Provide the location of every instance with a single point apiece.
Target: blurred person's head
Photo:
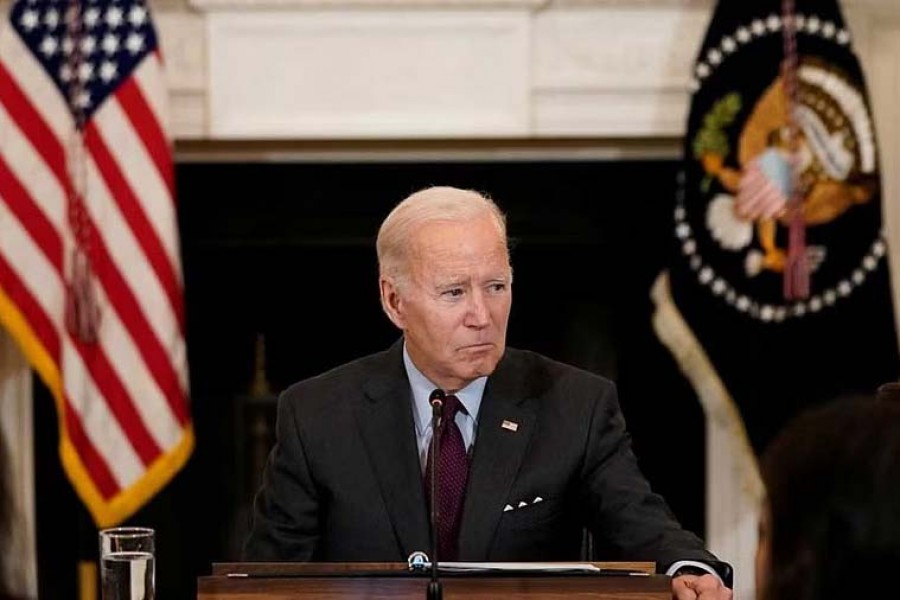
(831, 525)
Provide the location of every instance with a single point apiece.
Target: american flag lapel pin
(510, 425)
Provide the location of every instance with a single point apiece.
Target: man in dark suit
(532, 451)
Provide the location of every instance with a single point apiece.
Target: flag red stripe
(37, 318)
(122, 298)
(105, 378)
(148, 128)
(33, 125)
(93, 462)
(120, 404)
(130, 206)
(47, 334)
(32, 218)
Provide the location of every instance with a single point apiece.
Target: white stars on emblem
(815, 304)
(743, 303)
(766, 313)
(843, 37)
(844, 288)
(49, 46)
(728, 45)
(714, 56)
(108, 71)
(719, 286)
(30, 19)
(65, 73)
(134, 43)
(137, 16)
(689, 247)
(683, 231)
(858, 276)
(830, 297)
(91, 17)
(758, 27)
(743, 35)
(88, 45)
(85, 72)
(114, 17)
(828, 30)
(83, 99)
(870, 263)
(813, 24)
(773, 23)
(51, 18)
(110, 44)
(878, 248)
(705, 275)
(702, 70)
(67, 45)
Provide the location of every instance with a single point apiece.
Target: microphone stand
(435, 589)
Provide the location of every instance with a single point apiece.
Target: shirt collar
(470, 396)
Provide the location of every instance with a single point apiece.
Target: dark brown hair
(833, 482)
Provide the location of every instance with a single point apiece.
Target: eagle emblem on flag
(731, 216)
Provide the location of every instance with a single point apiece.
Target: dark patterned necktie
(453, 473)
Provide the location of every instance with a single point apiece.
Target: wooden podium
(393, 581)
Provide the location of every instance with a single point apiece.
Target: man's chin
(482, 366)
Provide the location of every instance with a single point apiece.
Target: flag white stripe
(151, 80)
(133, 266)
(99, 424)
(44, 284)
(140, 172)
(128, 364)
(34, 83)
(31, 170)
(48, 292)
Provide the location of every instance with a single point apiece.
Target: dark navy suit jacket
(344, 481)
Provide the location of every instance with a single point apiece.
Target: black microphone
(436, 399)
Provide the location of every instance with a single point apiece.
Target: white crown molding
(337, 5)
(572, 69)
(881, 6)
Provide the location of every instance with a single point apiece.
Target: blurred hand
(699, 587)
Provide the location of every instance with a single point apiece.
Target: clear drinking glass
(127, 570)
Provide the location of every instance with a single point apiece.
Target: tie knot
(452, 405)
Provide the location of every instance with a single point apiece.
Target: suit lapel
(497, 456)
(387, 429)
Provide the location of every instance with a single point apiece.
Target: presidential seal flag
(90, 274)
(777, 295)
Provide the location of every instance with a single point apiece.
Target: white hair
(429, 205)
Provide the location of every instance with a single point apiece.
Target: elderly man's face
(455, 304)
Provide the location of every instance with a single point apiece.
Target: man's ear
(391, 301)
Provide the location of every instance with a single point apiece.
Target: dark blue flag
(750, 142)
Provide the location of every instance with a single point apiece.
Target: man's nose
(477, 315)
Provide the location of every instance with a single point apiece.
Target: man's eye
(453, 293)
(497, 287)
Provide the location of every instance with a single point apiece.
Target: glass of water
(127, 564)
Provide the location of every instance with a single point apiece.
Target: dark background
(287, 251)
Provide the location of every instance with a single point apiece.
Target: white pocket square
(522, 504)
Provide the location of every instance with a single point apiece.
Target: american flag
(86, 173)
